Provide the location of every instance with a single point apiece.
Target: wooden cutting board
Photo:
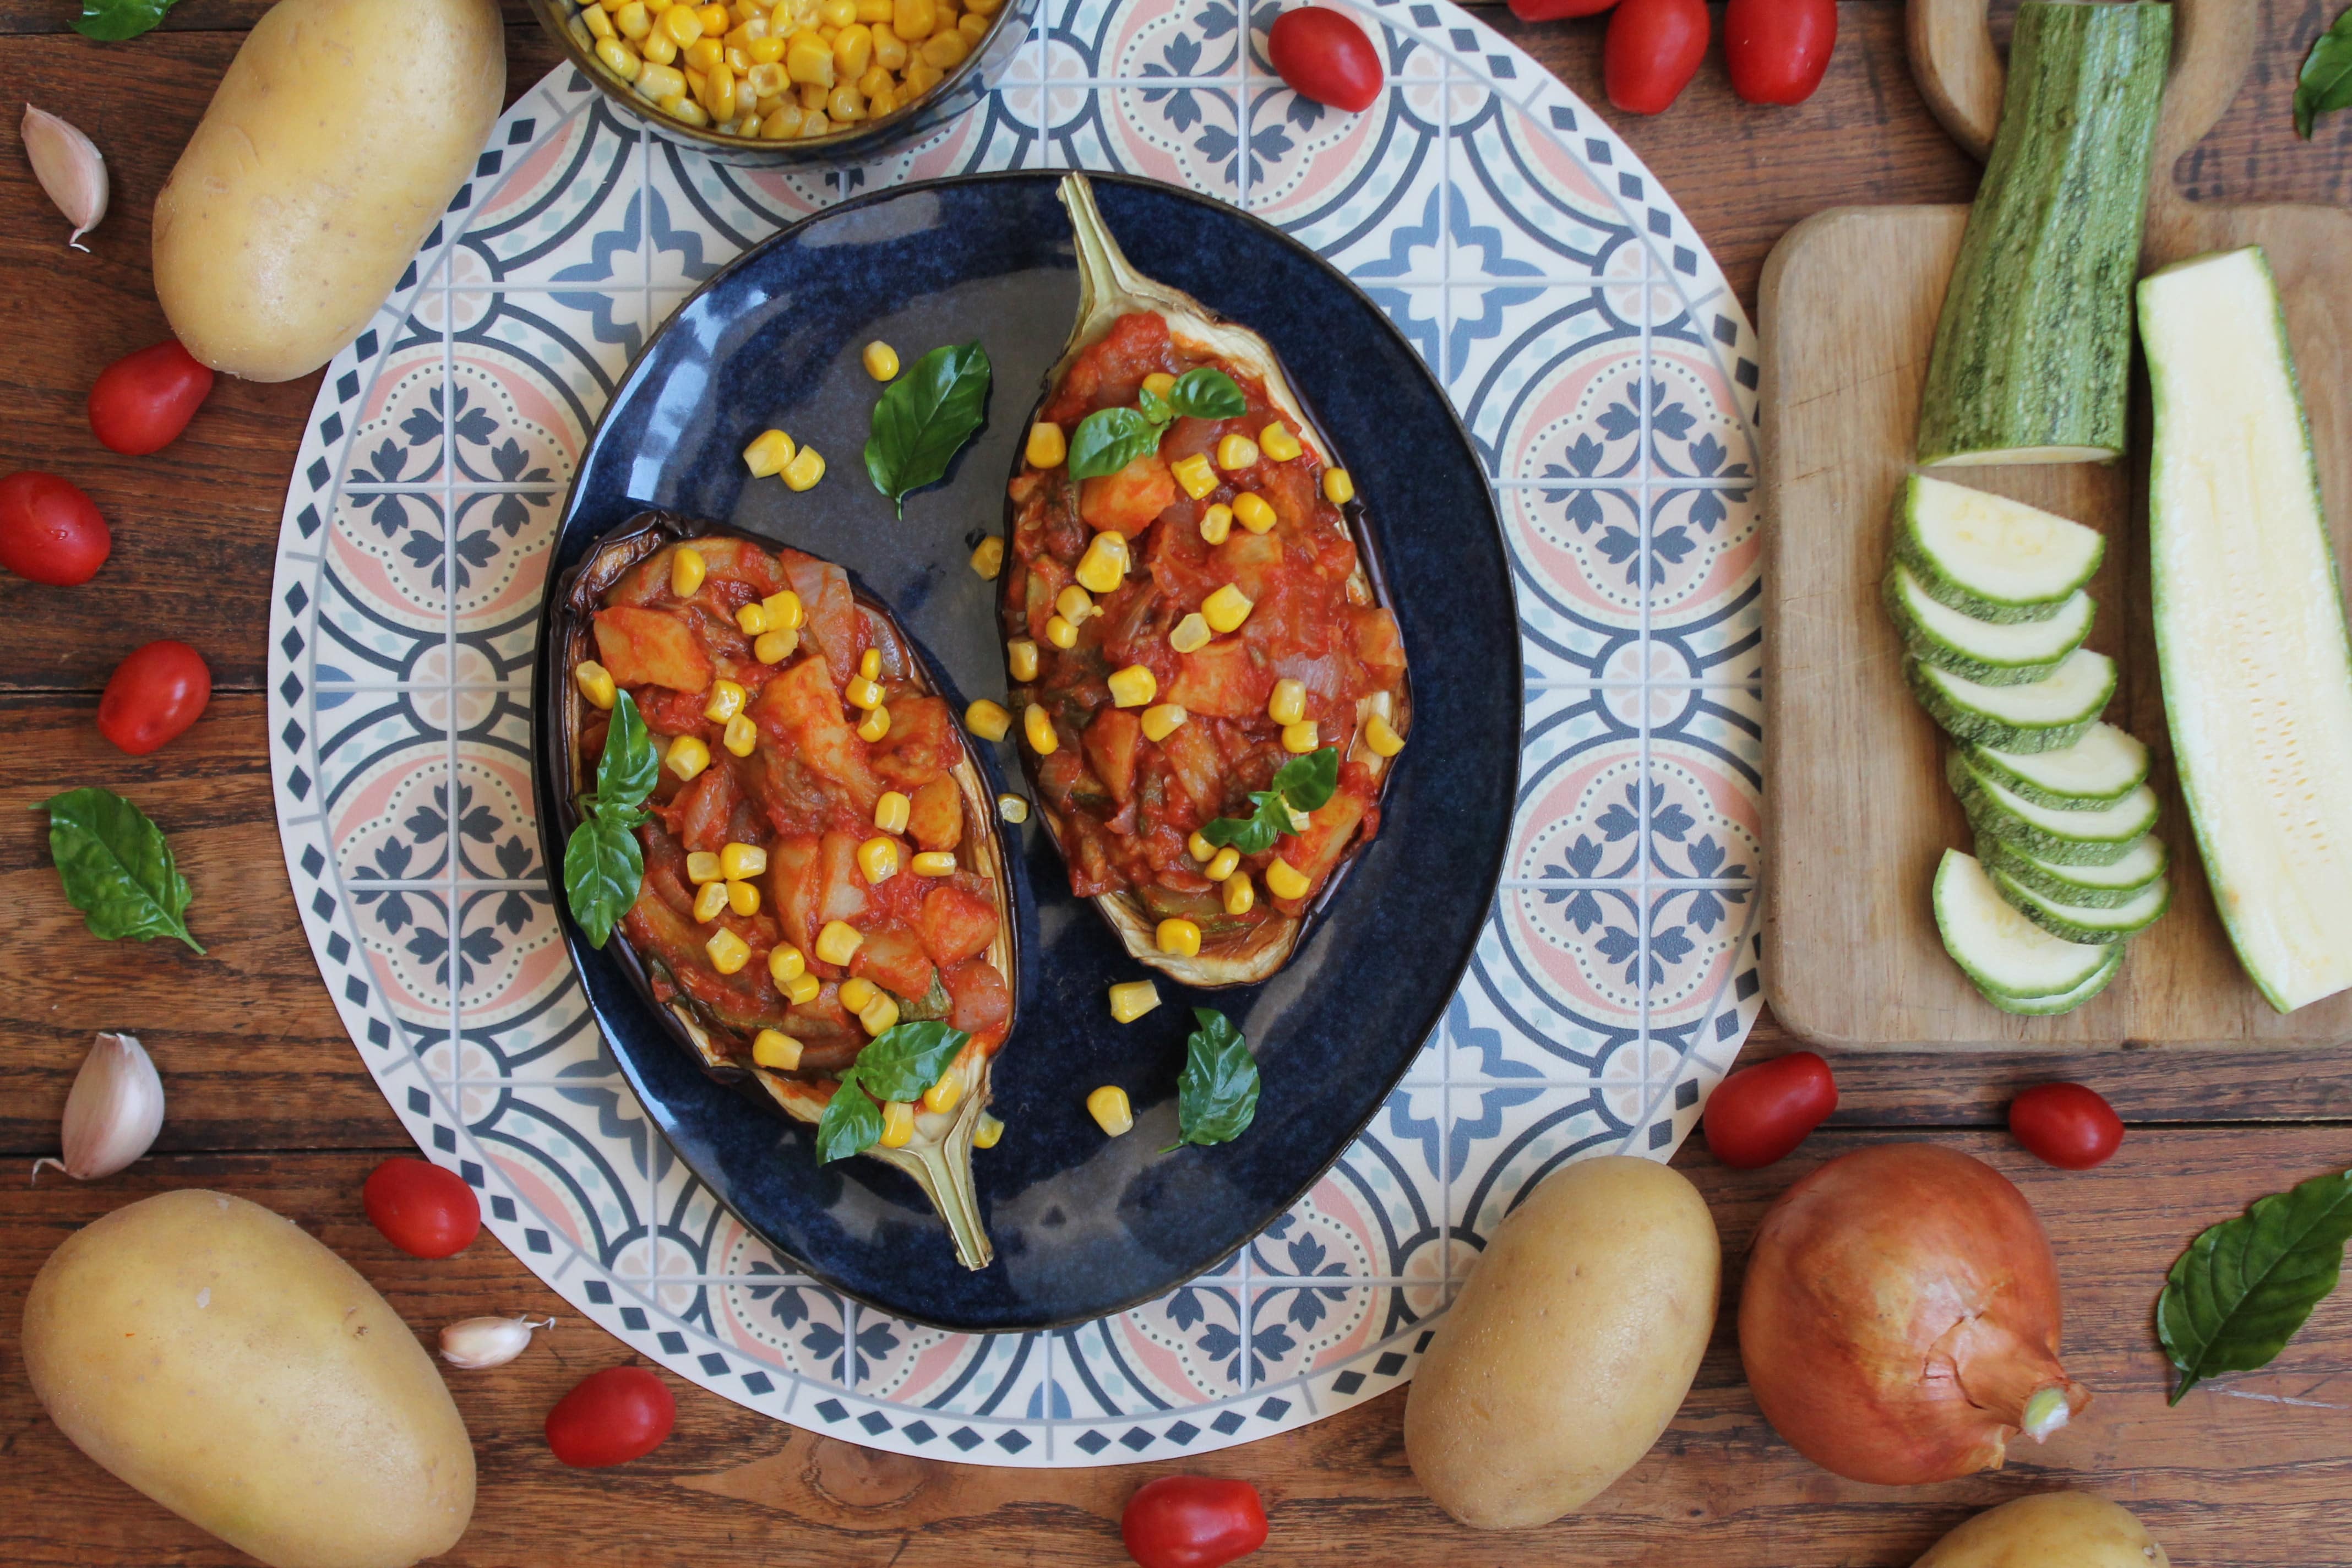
(1855, 808)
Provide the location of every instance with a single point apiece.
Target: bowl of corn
(788, 80)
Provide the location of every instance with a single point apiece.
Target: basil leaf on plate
(2326, 84)
(1206, 392)
(924, 418)
(1108, 440)
(905, 1059)
(602, 866)
(1307, 782)
(117, 867)
(852, 1122)
(111, 21)
(1216, 1094)
(2243, 1287)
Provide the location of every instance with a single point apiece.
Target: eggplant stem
(943, 1170)
(2046, 1413)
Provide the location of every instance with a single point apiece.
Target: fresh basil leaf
(2325, 85)
(1206, 392)
(602, 870)
(1307, 782)
(111, 21)
(1216, 1094)
(2242, 1289)
(630, 765)
(924, 418)
(905, 1059)
(1156, 408)
(1255, 834)
(852, 1122)
(117, 867)
(1108, 440)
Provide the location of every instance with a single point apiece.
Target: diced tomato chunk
(893, 959)
(699, 814)
(794, 886)
(1112, 741)
(1130, 499)
(980, 1001)
(921, 746)
(801, 711)
(1378, 645)
(650, 648)
(841, 886)
(1221, 681)
(956, 923)
(935, 815)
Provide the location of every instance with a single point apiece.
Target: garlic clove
(112, 1112)
(479, 1342)
(72, 170)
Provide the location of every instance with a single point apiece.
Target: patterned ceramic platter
(1606, 377)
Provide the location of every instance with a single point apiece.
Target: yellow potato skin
(2050, 1530)
(337, 137)
(1571, 1347)
(220, 1360)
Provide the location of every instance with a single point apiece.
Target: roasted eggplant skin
(940, 1157)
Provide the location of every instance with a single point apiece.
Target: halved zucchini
(2042, 717)
(1989, 556)
(2062, 837)
(2097, 771)
(1991, 653)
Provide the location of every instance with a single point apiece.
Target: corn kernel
(774, 1048)
(1061, 633)
(982, 8)
(737, 862)
(813, 123)
(862, 694)
(708, 900)
(869, 664)
(802, 989)
(872, 11)
(1104, 565)
(659, 50)
(889, 48)
(1216, 523)
(943, 1095)
(858, 993)
(1283, 881)
(1163, 720)
(618, 57)
(741, 737)
(750, 620)
(879, 1015)
(875, 727)
(1108, 1107)
(1075, 604)
(769, 51)
(988, 558)
(884, 98)
(764, 80)
(877, 858)
(1192, 634)
(808, 61)
(897, 1123)
(785, 965)
(714, 18)
(686, 570)
(986, 1131)
(1180, 937)
(839, 942)
(1338, 489)
(803, 471)
(1160, 384)
(1133, 687)
(891, 811)
(1236, 452)
(912, 19)
(728, 952)
(596, 683)
(1289, 704)
(725, 700)
(1227, 608)
(744, 898)
(987, 719)
(768, 453)
(1013, 808)
(853, 55)
(1192, 471)
(784, 612)
(774, 646)
(933, 863)
(1301, 738)
(1240, 894)
(1279, 442)
(781, 125)
(702, 865)
(974, 27)
(1199, 847)
(1221, 864)
(946, 51)
(633, 20)
(845, 104)
(1256, 515)
(1039, 729)
(1381, 737)
(1020, 658)
(1048, 447)
(687, 757)
(682, 25)
(719, 92)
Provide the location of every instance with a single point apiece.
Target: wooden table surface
(269, 1097)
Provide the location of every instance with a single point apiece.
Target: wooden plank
(2254, 1471)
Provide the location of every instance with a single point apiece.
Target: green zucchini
(2249, 634)
(2066, 1001)
(2086, 923)
(2063, 837)
(2089, 887)
(1983, 651)
(2050, 713)
(1990, 557)
(2097, 771)
(2018, 966)
(2032, 352)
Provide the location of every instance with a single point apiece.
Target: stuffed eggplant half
(776, 811)
(1210, 686)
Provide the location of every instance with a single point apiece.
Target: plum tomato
(2066, 1125)
(1759, 1115)
(422, 1209)
(49, 531)
(1778, 49)
(143, 401)
(1325, 56)
(1192, 1522)
(1555, 10)
(1652, 50)
(610, 1417)
(153, 695)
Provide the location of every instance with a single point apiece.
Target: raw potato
(336, 139)
(1569, 1349)
(2053, 1529)
(217, 1357)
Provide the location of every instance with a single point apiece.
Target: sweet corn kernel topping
(1108, 1107)
(987, 719)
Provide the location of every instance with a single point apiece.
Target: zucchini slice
(2063, 837)
(2087, 924)
(2097, 771)
(2066, 1001)
(2085, 886)
(1986, 652)
(2250, 632)
(2042, 717)
(1990, 557)
(2013, 962)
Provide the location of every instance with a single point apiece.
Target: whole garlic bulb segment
(72, 170)
(479, 1342)
(112, 1112)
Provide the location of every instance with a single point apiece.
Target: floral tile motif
(1706, 598)
(1186, 40)
(1512, 1140)
(577, 1156)
(499, 542)
(386, 571)
(1581, 802)
(1339, 182)
(1574, 416)
(530, 377)
(545, 1033)
(570, 209)
(1296, 1330)
(383, 776)
(1575, 550)
(1187, 1348)
(1695, 940)
(786, 1323)
(1542, 212)
(1705, 813)
(498, 837)
(961, 1375)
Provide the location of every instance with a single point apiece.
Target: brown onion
(1899, 1319)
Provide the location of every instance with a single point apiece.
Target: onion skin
(1900, 1311)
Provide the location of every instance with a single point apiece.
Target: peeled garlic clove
(70, 168)
(112, 1112)
(478, 1342)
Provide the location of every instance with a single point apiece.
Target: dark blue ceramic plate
(1084, 1226)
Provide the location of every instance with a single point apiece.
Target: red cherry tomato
(1326, 57)
(422, 1209)
(1759, 1115)
(1192, 1522)
(153, 695)
(143, 401)
(1778, 49)
(612, 1416)
(1553, 10)
(1651, 51)
(2066, 1125)
(49, 531)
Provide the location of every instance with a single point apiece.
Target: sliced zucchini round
(2077, 922)
(2042, 717)
(2062, 837)
(2008, 957)
(1989, 556)
(2095, 771)
(2086, 887)
(2066, 1001)
(1987, 652)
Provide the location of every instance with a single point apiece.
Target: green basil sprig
(117, 867)
(2235, 1297)
(111, 21)
(924, 418)
(1216, 1095)
(900, 1063)
(1300, 784)
(2326, 84)
(602, 866)
(1109, 439)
